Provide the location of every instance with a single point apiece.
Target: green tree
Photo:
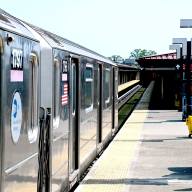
(117, 58)
(138, 53)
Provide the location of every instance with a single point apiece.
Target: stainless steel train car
(19, 106)
(58, 108)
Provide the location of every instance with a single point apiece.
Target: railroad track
(126, 96)
(127, 103)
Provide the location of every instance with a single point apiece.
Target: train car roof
(56, 41)
(12, 24)
(129, 67)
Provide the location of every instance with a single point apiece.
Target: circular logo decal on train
(16, 117)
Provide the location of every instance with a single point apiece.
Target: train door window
(74, 103)
(107, 86)
(88, 88)
(1, 45)
(56, 100)
(33, 127)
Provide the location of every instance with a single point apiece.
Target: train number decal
(17, 59)
(16, 73)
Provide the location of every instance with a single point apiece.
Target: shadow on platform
(179, 175)
(152, 140)
(156, 122)
(187, 189)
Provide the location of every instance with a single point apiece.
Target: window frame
(107, 99)
(89, 80)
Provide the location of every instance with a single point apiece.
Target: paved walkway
(163, 161)
(150, 153)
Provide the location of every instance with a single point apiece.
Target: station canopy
(163, 62)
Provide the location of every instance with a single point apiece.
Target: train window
(107, 85)
(56, 101)
(33, 129)
(88, 88)
(74, 87)
(1, 45)
(116, 82)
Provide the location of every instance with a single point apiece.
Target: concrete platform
(163, 161)
(126, 85)
(150, 153)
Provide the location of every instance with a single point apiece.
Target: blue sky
(108, 26)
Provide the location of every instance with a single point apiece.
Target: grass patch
(128, 107)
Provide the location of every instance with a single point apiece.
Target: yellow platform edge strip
(126, 85)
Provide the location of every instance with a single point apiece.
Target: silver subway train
(58, 108)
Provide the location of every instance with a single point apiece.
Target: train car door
(74, 120)
(1, 128)
(113, 100)
(60, 132)
(99, 90)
